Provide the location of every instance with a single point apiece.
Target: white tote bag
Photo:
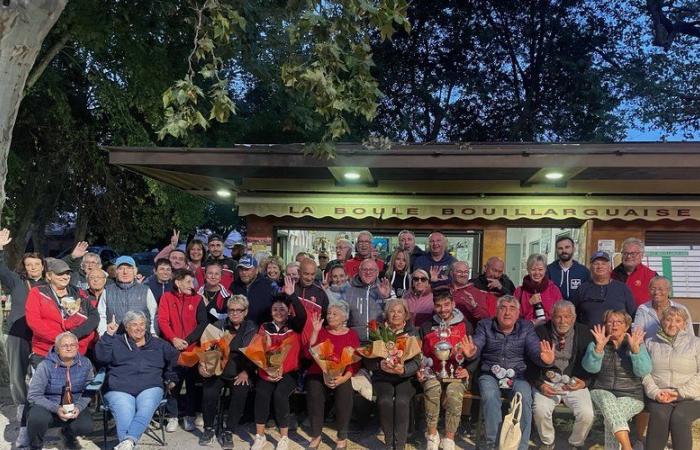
(510, 431)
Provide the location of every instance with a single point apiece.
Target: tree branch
(664, 29)
(41, 66)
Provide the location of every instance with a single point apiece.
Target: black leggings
(266, 391)
(394, 405)
(190, 402)
(677, 417)
(211, 391)
(40, 419)
(317, 392)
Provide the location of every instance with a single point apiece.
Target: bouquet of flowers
(267, 355)
(386, 344)
(330, 363)
(212, 352)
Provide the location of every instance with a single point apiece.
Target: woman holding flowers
(335, 344)
(278, 385)
(237, 373)
(393, 381)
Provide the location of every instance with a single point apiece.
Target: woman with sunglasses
(278, 388)
(420, 297)
(236, 375)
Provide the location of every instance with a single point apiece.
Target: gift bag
(212, 352)
(510, 431)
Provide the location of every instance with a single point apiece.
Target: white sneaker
(447, 444)
(259, 443)
(433, 441)
(199, 420)
(20, 411)
(171, 426)
(22, 438)
(126, 444)
(188, 423)
(283, 443)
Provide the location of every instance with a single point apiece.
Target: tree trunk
(23, 26)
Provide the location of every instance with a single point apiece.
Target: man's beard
(565, 257)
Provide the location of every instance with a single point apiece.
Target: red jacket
(182, 316)
(431, 336)
(550, 296)
(637, 281)
(352, 266)
(485, 302)
(291, 362)
(47, 320)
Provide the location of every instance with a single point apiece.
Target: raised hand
(289, 285)
(384, 288)
(326, 280)
(600, 337)
(5, 237)
(316, 321)
(139, 278)
(467, 346)
(175, 239)
(436, 273)
(80, 249)
(546, 352)
(112, 327)
(635, 339)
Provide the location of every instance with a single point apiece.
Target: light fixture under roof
(351, 176)
(554, 176)
(223, 193)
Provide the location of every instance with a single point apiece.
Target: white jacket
(675, 366)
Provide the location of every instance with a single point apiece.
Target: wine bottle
(67, 399)
(539, 311)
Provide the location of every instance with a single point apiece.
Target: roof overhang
(443, 174)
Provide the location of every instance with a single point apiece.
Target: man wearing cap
(258, 289)
(216, 253)
(632, 272)
(601, 293)
(57, 307)
(126, 295)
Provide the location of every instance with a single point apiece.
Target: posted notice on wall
(681, 264)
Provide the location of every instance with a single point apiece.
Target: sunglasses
(236, 311)
(421, 279)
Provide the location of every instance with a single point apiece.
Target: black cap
(216, 237)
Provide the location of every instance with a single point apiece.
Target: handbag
(511, 434)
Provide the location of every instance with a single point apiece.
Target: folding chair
(95, 387)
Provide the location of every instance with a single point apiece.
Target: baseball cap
(247, 262)
(600, 255)
(57, 265)
(125, 259)
(216, 237)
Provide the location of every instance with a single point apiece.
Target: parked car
(144, 262)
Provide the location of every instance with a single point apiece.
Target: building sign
(561, 208)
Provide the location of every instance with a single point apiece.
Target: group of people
(606, 338)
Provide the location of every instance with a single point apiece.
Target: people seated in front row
(620, 361)
(566, 382)
(134, 399)
(673, 387)
(504, 345)
(64, 368)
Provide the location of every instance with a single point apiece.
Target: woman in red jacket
(538, 293)
(182, 317)
(278, 389)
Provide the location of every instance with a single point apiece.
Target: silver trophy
(443, 350)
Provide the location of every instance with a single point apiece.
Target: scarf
(531, 287)
(665, 337)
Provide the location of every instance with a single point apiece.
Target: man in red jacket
(363, 250)
(474, 303)
(632, 272)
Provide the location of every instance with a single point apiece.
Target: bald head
(494, 268)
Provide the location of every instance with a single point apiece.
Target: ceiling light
(554, 176)
(223, 193)
(351, 176)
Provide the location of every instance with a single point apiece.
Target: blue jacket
(46, 385)
(260, 294)
(568, 281)
(158, 288)
(508, 351)
(426, 261)
(133, 369)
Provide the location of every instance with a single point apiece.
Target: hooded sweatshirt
(420, 306)
(568, 280)
(366, 303)
(430, 335)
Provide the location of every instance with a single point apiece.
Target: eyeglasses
(369, 270)
(73, 345)
(615, 322)
(421, 279)
(632, 254)
(236, 310)
(461, 272)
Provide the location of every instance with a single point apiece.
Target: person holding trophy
(444, 337)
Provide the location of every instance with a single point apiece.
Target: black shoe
(227, 440)
(70, 441)
(207, 436)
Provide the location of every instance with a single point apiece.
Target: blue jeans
(133, 414)
(491, 408)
